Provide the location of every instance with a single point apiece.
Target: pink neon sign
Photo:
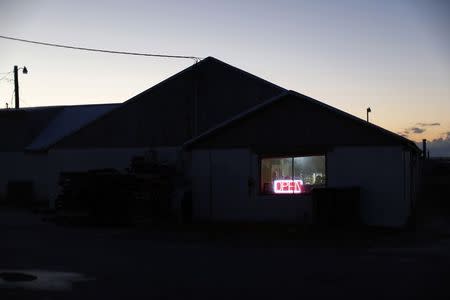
(287, 186)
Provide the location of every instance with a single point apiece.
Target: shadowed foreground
(129, 263)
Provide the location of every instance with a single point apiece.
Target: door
(230, 196)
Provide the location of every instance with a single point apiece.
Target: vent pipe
(424, 148)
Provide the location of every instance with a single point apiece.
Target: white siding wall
(380, 172)
(219, 183)
(200, 179)
(229, 178)
(221, 190)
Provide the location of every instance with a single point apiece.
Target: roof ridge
(244, 72)
(172, 77)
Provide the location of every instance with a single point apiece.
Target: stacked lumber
(142, 191)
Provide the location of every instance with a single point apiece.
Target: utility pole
(16, 83)
(16, 86)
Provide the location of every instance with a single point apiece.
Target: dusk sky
(393, 56)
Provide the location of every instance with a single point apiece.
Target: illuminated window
(292, 175)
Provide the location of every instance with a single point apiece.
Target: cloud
(428, 124)
(439, 147)
(416, 130)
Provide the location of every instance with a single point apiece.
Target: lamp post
(16, 83)
(368, 111)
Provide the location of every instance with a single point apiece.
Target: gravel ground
(73, 262)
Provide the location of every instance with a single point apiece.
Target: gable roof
(176, 109)
(204, 63)
(289, 95)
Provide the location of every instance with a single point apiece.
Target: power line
(4, 77)
(12, 95)
(99, 50)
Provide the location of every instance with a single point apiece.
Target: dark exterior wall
(147, 120)
(296, 125)
(225, 91)
(164, 115)
(19, 127)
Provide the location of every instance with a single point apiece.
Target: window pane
(310, 170)
(274, 169)
(292, 175)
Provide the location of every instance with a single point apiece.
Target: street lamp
(368, 111)
(16, 82)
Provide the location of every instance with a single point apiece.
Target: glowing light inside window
(287, 186)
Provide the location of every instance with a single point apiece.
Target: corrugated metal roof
(20, 126)
(67, 121)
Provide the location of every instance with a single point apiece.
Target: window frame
(280, 156)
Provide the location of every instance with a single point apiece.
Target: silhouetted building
(251, 150)
(264, 164)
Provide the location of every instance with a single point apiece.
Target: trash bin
(337, 207)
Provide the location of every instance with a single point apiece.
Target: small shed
(264, 164)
